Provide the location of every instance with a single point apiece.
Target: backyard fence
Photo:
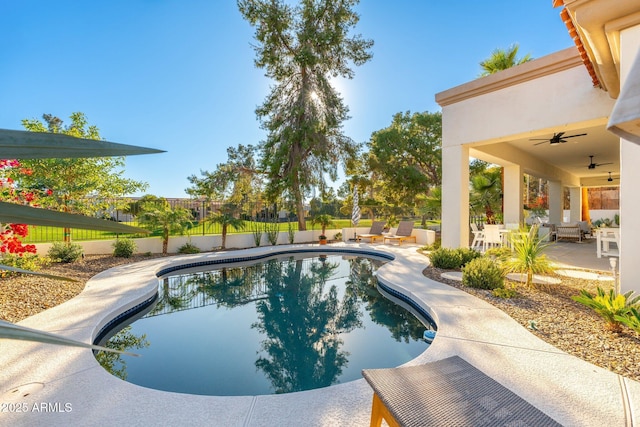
(257, 217)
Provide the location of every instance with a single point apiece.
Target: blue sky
(178, 75)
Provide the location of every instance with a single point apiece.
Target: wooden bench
(447, 392)
(568, 232)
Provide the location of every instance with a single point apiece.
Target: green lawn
(42, 234)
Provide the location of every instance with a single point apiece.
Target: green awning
(17, 144)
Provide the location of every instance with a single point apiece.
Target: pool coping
(66, 386)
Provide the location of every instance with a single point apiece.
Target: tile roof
(573, 33)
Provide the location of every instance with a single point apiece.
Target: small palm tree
(528, 255)
(158, 213)
(324, 221)
(226, 220)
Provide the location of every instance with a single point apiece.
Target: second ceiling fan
(557, 138)
(592, 165)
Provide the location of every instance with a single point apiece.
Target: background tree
(406, 158)
(237, 181)
(486, 190)
(501, 59)
(301, 48)
(75, 185)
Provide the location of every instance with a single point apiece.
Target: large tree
(501, 59)
(301, 48)
(76, 184)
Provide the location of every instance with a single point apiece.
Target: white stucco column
(629, 266)
(455, 196)
(575, 198)
(555, 202)
(513, 194)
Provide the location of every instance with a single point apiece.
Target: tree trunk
(224, 235)
(297, 194)
(165, 241)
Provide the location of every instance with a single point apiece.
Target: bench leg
(379, 412)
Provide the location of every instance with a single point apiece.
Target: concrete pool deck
(65, 386)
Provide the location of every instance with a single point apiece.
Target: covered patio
(548, 118)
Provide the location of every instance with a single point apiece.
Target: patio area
(566, 388)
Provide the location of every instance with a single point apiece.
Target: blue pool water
(285, 324)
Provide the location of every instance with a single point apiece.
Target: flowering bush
(11, 235)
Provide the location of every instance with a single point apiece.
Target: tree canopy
(69, 183)
(405, 160)
(301, 48)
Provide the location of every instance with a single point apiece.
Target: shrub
(483, 273)
(505, 293)
(610, 306)
(25, 261)
(432, 247)
(188, 248)
(501, 254)
(467, 254)
(446, 258)
(291, 232)
(65, 252)
(124, 248)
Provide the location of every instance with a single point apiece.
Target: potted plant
(323, 221)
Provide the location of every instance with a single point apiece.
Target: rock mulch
(549, 312)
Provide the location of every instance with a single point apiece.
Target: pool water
(281, 325)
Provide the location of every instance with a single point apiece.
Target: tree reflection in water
(124, 340)
(302, 318)
(403, 325)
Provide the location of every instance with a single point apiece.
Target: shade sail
(625, 117)
(11, 213)
(17, 144)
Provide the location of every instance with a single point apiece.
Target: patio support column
(575, 197)
(455, 196)
(513, 193)
(555, 202)
(629, 267)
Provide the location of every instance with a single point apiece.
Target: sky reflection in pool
(286, 324)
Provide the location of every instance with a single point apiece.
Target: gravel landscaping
(548, 311)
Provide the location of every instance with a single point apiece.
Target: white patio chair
(478, 236)
(492, 236)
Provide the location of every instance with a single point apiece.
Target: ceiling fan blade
(543, 142)
(573, 136)
(602, 164)
(558, 135)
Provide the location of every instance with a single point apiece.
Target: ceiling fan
(592, 165)
(611, 179)
(557, 138)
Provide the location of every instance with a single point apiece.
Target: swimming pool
(284, 324)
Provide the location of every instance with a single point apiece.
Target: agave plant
(528, 256)
(610, 306)
(30, 145)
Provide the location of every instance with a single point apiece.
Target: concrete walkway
(43, 385)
